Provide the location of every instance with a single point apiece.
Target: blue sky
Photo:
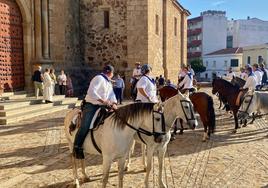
(237, 9)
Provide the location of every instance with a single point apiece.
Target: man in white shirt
(258, 73)
(191, 70)
(187, 82)
(136, 75)
(250, 85)
(100, 94)
(146, 86)
(243, 74)
(230, 75)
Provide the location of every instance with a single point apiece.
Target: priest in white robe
(48, 87)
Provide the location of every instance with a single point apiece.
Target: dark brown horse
(203, 104)
(229, 92)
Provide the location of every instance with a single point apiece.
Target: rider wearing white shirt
(100, 94)
(187, 82)
(250, 85)
(243, 74)
(258, 73)
(230, 74)
(146, 86)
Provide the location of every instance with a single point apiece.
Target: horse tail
(211, 115)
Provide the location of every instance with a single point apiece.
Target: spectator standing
(119, 86)
(54, 79)
(265, 74)
(48, 89)
(38, 81)
(69, 87)
(161, 81)
(230, 74)
(62, 80)
(258, 73)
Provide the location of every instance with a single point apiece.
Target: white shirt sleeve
(183, 81)
(94, 87)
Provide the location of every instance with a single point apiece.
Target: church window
(106, 19)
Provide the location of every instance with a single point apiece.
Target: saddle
(100, 117)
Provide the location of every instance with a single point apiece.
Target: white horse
(114, 137)
(178, 106)
(253, 103)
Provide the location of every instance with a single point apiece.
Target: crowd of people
(46, 82)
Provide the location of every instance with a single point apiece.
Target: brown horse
(230, 93)
(203, 104)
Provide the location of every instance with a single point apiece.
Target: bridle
(191, 110)
(163, 124)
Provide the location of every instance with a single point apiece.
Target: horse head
(214, 86)
(180, 106)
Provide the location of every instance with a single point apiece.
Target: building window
(229, 41)
(248, 59)
(214, 64)
(175, 26)
(156, 24)
(106, 14)
(234, 62)
(206, 75)
(260, 59)
(225, 63)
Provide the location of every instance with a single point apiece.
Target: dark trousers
(118, 94)
(87, 116)
(62, 89)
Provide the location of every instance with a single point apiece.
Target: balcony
(194, 43)
(192, 32)
(194, 55)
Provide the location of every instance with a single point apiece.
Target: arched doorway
(11, 46)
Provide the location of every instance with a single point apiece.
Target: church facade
(80, 36)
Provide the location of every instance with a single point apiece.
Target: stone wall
(101, 45)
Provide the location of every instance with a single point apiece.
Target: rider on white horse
(146, 86)
(100, 93)
(250, 84)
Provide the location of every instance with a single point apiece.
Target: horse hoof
(234, 131)
(173, 138)
(204, 140)
(181, 132)
(86, 179)
(126, 169)
(144, 169)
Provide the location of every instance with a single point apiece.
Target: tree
(197, 66)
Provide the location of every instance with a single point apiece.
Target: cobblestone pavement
(34, 153)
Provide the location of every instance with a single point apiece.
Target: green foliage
(198, 66)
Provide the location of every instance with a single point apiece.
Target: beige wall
(155, 40)
(254, 53)
(174, 45)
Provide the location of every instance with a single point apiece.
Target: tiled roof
(227, 51)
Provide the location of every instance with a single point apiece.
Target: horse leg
(83, 166)
(173, 135)
(161, 155)
(253, 118)
(236, 122)
(121, 166)
(128, 161)
(106, 165)
(205, 135)
(181, 130)
(143, 150)
(74, 164)
(150, 152)
(245, 123)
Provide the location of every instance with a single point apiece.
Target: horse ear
(187, 93)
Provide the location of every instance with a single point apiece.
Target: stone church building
(80, 36)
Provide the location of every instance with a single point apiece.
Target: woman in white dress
(48, 87)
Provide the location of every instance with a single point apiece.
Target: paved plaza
(34, 153)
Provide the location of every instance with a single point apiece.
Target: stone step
(24, 109)
(8, 94)
(28, 115)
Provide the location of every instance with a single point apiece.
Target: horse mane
(227, 83)
(129, 112)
